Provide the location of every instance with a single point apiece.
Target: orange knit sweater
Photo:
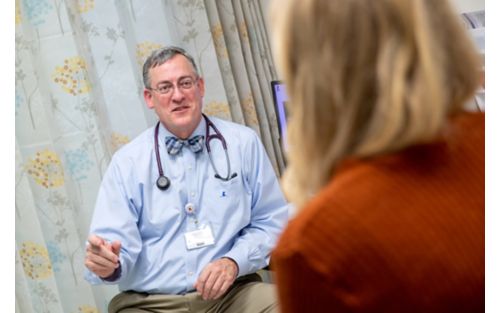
(397, 233)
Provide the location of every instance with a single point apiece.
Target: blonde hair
(366, 77)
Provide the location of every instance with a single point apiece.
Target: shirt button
(190, 167)
(190, 273)
(189, 208)
(192, 193)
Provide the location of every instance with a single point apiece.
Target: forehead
(173, 69)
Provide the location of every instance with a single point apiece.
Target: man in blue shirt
(182, 225)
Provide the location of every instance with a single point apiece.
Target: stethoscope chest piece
(163, 182)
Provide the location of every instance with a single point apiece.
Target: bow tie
(174, 144)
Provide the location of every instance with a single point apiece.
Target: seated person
(384, 165)
(187, 212)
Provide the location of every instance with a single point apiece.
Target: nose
(177, 94)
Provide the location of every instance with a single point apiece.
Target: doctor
(182, 223)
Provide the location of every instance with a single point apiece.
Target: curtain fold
(79, 99)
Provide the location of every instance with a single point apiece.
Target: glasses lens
(164, 88)
(185, 84)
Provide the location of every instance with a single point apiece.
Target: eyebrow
(169, 82)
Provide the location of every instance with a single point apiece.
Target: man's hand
(102, 257)
(216, 278)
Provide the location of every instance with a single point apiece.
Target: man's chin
(183, 118)
(181, 122)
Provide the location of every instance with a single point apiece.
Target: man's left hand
(216, 278)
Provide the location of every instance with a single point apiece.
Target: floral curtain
(79, 99)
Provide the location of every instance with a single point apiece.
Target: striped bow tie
(174, 144)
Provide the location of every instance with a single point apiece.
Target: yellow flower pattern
(85, 5)
(143, 50)
(18, 13)
(49, 250)
(72, 76)
(118, 140)
(46, 169)
(87, 309)
(218, 38)
(218, 109)
(36, 261)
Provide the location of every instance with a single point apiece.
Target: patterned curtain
(79, 98)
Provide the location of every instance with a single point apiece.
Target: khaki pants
(247, 295)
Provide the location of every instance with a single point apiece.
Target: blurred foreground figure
(384, 164)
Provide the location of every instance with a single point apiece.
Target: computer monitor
(280, 98)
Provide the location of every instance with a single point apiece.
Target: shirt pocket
(226, 202)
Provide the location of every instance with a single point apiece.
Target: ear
(148, 97)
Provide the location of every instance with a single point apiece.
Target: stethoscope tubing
(163, 182)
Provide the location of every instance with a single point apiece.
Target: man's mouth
(180, 108)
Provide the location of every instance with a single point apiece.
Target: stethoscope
(163, 182)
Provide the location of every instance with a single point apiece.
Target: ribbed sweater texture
(402, 232)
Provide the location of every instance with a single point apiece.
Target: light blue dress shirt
(246, 214)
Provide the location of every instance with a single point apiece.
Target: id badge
(199, 238)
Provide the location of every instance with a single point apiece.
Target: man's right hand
(102, 257)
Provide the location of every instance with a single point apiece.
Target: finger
(225, 286)
(101, 260)
(209, 285)
(203, 286)
(200, 282)
(227, 275)
(99, 266)
(95, 248)
(116, 246)
(216, 287)
(95, 241)
(102, 272)
(114, 254)
(110, 253)
(103, 250)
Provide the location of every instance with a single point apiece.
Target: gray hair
(160, 56)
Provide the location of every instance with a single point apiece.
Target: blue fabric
(174, 144)
(246, 214)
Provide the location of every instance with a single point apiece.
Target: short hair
(366, 77)
(160, 56)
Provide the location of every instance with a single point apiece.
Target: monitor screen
(280, 98)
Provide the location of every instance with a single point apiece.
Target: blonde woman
(385, 166)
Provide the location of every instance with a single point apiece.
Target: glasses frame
(177, 85)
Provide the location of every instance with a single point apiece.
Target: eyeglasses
(185, 83)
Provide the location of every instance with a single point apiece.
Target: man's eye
(186, 84)
(164, 88)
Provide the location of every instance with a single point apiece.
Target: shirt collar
(199, 130)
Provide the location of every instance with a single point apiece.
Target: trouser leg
(247, 295)
(133, 302)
